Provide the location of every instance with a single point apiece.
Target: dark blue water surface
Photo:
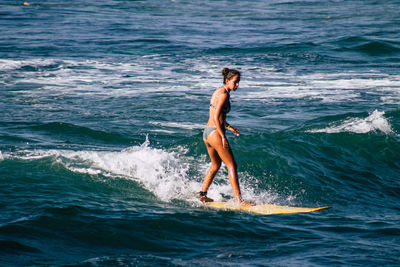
(101, 115)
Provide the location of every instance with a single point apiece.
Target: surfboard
(265, 209)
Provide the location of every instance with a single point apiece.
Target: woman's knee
(232, 165)
(215, 166)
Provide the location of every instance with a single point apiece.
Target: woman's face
(233, 83)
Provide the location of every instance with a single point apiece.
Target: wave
(60, 132)
(168, 174)
(370, 47)
(376, 121)
(289, 168)
(332, 168)
(377, 48)
(11, 246)
(71, 130)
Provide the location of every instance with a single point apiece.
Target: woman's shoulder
(220, 91)
(220, 94)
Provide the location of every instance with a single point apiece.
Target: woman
(214, 136)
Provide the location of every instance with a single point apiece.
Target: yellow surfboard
(265, 209)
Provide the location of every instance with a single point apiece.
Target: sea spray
(376, 121)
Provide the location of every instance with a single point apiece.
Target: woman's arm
(232, 129)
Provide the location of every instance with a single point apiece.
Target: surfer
(214, 136)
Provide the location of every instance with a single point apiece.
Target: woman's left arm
(232, 129)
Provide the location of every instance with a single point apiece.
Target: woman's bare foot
(203, 197)
(247, 204)
(206, 199)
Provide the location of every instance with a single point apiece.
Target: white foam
(162, 131)
(156, 73)
(164, 173)
(89, 76)
(1, 156)
(374, 122)
(11, 64)
(273, 86)
(180, 125)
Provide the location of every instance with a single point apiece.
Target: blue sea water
(101, 115)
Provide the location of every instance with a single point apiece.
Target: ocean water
(101, 115)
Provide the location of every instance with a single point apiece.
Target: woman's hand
(232, 129)
(235, 131)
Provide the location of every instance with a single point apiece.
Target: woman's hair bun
(225, 72)
(229, 73)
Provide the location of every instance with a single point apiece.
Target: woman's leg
(215, 165)
(227, 157)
